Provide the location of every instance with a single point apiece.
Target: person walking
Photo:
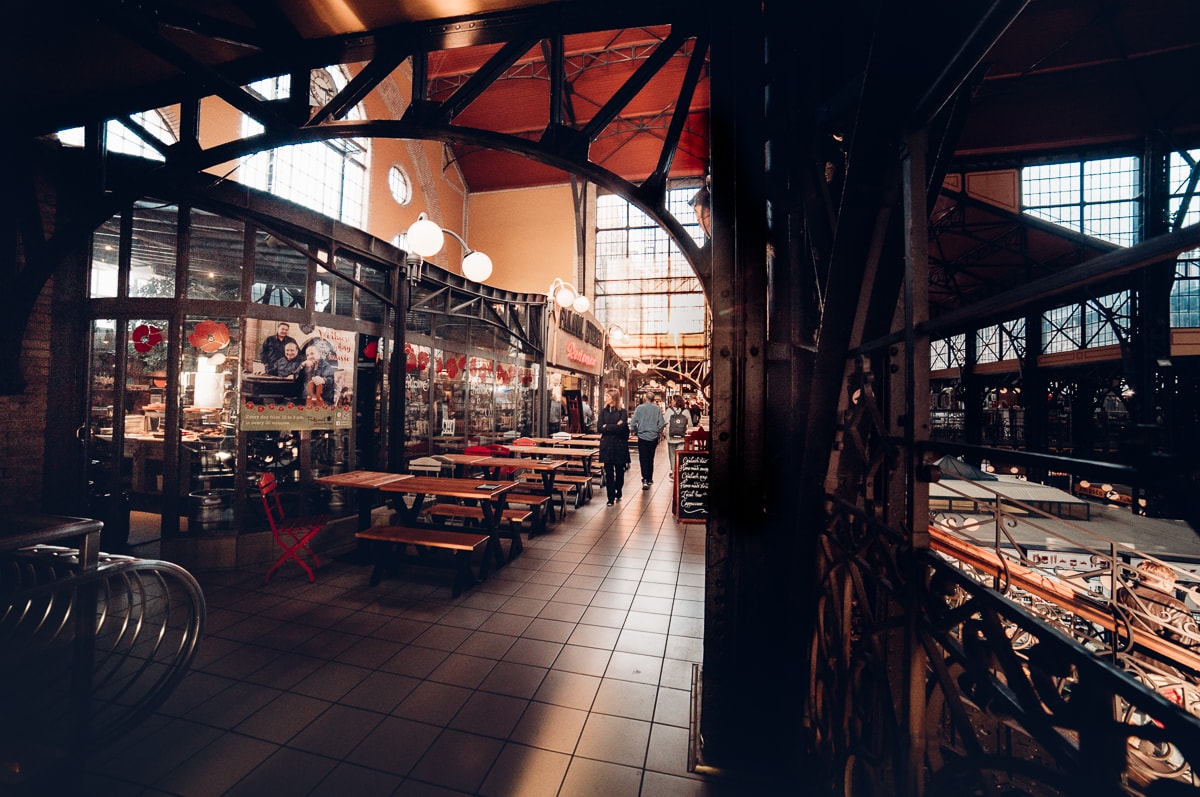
(678, 421)
(648, 424)
(613, 425)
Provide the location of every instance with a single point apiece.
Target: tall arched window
(328, 176)
(123, 140)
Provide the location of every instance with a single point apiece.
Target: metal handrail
(149, 618)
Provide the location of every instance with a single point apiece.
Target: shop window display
(449, 400)
(481, 381)
(418, 365)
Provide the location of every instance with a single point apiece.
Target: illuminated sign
(576, 354)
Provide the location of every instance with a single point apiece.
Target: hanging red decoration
(209, 336)
(146, 337)
(423, 360)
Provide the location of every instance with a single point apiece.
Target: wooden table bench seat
(570, 484)
(389, 543)
(539, 504)
(510, 519)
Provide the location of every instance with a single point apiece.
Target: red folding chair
(292, 535)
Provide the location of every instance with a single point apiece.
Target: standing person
(613, 425)
(557, 413)
(587, 416)
(648, 424)
(678, 421)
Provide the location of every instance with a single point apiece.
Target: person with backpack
(648, 424)
(678, 422)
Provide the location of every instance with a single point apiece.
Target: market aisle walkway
(568, 672)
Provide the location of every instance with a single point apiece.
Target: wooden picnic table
(583, 455)
(564, 442)
(362, 480)
(459, 461)
(546, 468)
(490, 496)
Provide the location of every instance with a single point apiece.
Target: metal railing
(69, 687)
(940, 676)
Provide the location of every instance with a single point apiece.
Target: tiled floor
(567, 672)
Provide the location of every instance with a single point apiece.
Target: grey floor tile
(594, 636)
(458, 760)
(288, 771)
(283, 718)
(634, 667)
(331, 681)
(537, 652)
(550, 727)
(569, 689)
(626, 699)
(643, 642)
(549, 630)
(350, 779)
(394, 746)
(380, 691)
(589, 778)
(525, 772)
(433, 703)
(486, 644)
(462, 670)
(668, 750)
(489, 714)
(673, 707)
(336, 732)
(516, 680)
(415, 661)
(199, 776)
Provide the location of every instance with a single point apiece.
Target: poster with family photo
(298, 376)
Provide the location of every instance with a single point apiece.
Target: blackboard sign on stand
(691, 486)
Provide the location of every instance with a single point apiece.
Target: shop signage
(579, 355)
(577, 343)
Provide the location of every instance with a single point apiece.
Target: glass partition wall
(206, 331)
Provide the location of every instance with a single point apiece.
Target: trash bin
(210, 510)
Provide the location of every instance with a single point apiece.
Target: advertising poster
(297, 376)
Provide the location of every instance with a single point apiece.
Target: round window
(400, 185)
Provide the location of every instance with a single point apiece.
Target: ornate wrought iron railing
(932, 675)
(69, 686)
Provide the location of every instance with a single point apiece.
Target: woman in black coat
(613, 425)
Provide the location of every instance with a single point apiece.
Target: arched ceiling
(618, 92)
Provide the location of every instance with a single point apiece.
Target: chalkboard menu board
(691, 486)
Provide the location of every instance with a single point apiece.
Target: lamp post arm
(459, 238)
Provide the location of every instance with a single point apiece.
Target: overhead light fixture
(425, 238)
(564, 294)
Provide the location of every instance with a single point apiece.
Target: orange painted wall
(529, 234)
(437, 191)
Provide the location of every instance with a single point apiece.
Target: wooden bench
(389, 543)
(474, 514)
(539, 504)
(568, 484)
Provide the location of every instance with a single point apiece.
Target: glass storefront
(221, 350)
